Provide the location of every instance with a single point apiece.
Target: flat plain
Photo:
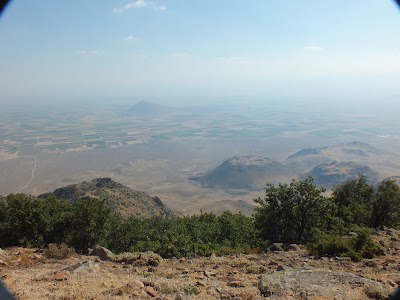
(45, 148)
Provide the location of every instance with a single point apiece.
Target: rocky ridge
(120, 198)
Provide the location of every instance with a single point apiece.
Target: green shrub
(288, 213)
(356, 247)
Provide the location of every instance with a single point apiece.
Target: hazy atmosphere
(203, 51)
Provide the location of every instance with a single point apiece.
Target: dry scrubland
(287, 274)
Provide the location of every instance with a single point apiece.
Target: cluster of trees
(30, 222)
(299, 212)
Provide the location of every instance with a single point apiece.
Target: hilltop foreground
(283, 274)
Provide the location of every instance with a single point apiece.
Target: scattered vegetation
(298, 212)
(190, 290)
(60, 251)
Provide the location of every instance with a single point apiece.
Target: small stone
(179, 297)
(60, 276)
(392, 283)
(344, 258)
(199, 283)
(382, 228)
(371, 263)
(209, 274)
(280, 268)
(37, 256)
(338, 297)
(276, 247)
(292, 247)
(137, 285)
(3, 263)
(151, 291)
(236, 283)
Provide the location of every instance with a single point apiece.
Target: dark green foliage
(362, 204)
(356, 247)
(89, 225)
(386, 205)
(289, 213)
(202, 234)
(27, 221)
(354, 200)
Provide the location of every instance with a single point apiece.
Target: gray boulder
(102, 253)
(309, 282)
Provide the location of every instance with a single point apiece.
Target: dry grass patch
(59, 251)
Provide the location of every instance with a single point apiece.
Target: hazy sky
(196, 50)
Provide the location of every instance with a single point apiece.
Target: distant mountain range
(120, 198)
(329, 166)
(310, 157)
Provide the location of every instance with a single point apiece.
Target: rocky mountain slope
(244, 172)
(120, 198)
(290, 274)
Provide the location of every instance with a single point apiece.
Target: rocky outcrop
(148, 258)
(120, 198)
(309, 283)
(102, 253)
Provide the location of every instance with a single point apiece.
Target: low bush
(356, 247)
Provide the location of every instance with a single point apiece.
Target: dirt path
(32, 177)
